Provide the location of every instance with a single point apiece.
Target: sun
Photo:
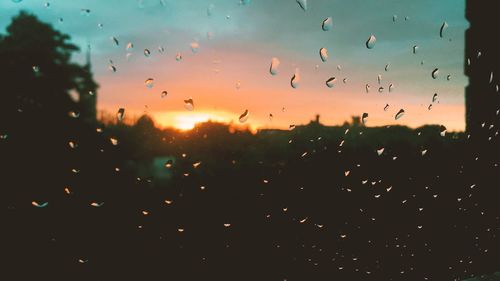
(186, 121)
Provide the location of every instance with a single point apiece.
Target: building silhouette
(87, 90)
(482, 97)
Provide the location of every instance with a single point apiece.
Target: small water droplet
(147, 52)
(381, 89)
(164, 94)
(391, 87)
(442, 131)
(85, 12)
(379, 78)
(178, 57)
(386, 107)
(444, 26)
(115, 41)
(112, 68)
(394, 18)
(35, 203)
(210, 9)
(400, 114)
(364, 118)
(189, 104)
(380, 151)
(370, 43)
(130, 46)
(367, 88)
(331, 82)
(275, 63)
(295, 81)
(327, 24)
(435, 73)
(448, 77)
(150, 82)
(244, 117)
(302, 4)
(323, 53)
(195, 47)
(120, 114)
(434, 97)
(387, 67)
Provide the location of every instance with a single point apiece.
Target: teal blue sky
(244, 38)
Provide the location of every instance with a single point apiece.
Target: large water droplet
(275, 63)
(442, 29)
(189, 104)
(120, 114)
(370, 43)
(327, 24)
(435, 73)
(302, 4)
(400, 114)
(323, 54)
(331, 82)
(244, 117)
(150, 82)
(295, 81)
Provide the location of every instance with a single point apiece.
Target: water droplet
(271, 117)
(115, 41)
(195, 47)
(448, 77)
(150, 82)
(381, 89)
(120, 114)
(85, 12)
(130, 46)
(189, 104)
(442, 29)
(415, 49)
(387, 67)
(344, 80)
(147, 52)
(367, 88)
(178, 57)
(442, 131)
(386, 107)
(434, 97)
(429, 107)
(394, 18)
(331, 82)
(379, 78)
(97, 205)
(380, 151)
(197, 164)
(74, 114)
(435, 73)
(46, 5)
(491, 77)
(164, 94)
(291, 127)
(273, 69)
(302, 4)
(113, 141)
(245, 2)
(364, 118)
(60, 20)
(238, 85)
(295, 81)
(244, 117)
(391, 87)
(400, 114)
(100, 25)
(370, 43)
(38, 205)
(327, 24)
(323, 53)
(161, 49)
(168, 165)
(112, 68)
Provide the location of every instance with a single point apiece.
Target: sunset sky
(229, 73)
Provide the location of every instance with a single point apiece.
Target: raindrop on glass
(120, 114)
(364, 118)
(327, 24)
(302, 4)
(444, 26)
(323, 54)
(130, 46)
(400, 114)
(150, 82)
(244, 117)
(273, 69)
(195, 47)
(331, 82)
(115, 41)
(415, 49)
(189, 104)
(164, 94)
(386, 107)
(391, 87)
(435, 73)
(178, 57)
(295, 81)
(370, 43)
(147, 52)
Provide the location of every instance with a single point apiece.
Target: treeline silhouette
(83, 200)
